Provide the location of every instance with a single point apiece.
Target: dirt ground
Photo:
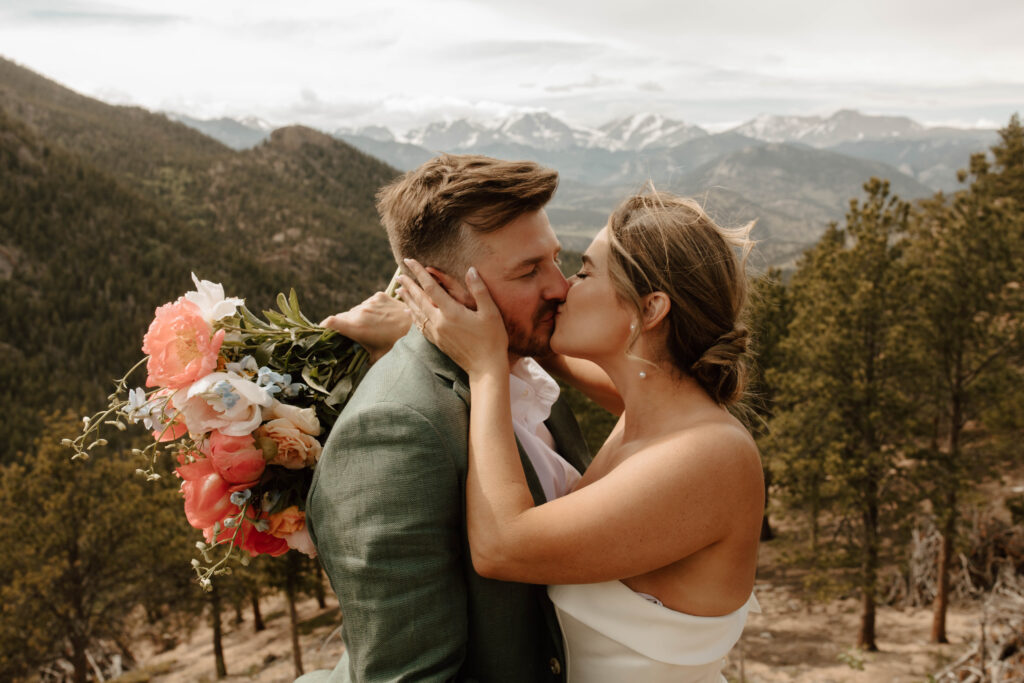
(790, 641)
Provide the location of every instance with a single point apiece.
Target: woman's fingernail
(472, 273)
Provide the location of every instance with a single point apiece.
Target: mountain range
(793, 174)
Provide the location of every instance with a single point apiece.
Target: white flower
(304, 419)
(223, 401)
(209, 297)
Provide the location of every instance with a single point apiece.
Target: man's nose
(557, 286)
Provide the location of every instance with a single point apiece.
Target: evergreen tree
(964, 257)
(841, 409)
(768, 318)
(96, 541)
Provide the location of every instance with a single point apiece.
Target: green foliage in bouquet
(288, 342)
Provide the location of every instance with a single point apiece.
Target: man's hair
(428, 212)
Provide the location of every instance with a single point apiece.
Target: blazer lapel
(569, 441)
(445, 367)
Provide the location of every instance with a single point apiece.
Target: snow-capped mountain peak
(256, 123)
(646, 131)
(817, 131)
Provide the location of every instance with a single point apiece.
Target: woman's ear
(656, 306)
(455, 287)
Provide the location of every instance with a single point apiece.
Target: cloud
(68, 12)
(552, 51)
(591, 83)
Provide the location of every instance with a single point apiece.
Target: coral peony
(181, 346)
(235, 458)
(207, 495)
(295, 449)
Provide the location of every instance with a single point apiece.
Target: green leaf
(341, 391)
(307, 374)
(293, 299)
(277, 320)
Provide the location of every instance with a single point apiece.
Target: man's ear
(656, 306)
(455, 287)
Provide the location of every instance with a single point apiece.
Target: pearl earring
(632, 327)
(643, 375)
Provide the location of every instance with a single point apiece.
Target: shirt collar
(532, 391)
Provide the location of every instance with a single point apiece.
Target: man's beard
(537, 344)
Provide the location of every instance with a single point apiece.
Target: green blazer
(387, 512)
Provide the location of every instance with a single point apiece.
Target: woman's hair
(664, 243)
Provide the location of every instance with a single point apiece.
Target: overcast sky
(330, 63)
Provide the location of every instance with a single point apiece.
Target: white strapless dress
(613, 634)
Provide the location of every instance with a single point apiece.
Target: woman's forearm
(496, 489)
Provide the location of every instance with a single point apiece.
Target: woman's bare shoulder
(715, 444)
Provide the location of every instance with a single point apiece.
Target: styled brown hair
(428, 211)
(664, 243)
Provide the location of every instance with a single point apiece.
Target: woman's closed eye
(581, 275)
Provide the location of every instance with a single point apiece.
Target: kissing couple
(464, 526)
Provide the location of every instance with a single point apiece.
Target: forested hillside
(104, 212)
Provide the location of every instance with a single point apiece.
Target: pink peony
(235, 458)
(181, 346)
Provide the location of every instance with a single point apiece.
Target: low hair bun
(721, 369)
(660, 242)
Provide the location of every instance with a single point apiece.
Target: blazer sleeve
(386, 515)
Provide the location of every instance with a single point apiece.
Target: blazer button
(556, 666)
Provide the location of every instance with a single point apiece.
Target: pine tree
(841, 410)
(964, 257)
(768, 317)
(94, 541)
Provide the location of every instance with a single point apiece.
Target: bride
(650, 559)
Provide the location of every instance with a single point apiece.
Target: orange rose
(286, 522)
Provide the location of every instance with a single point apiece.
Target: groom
(386, 509)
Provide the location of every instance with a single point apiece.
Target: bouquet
(243, 403)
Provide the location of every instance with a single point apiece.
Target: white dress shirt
(533, 392)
